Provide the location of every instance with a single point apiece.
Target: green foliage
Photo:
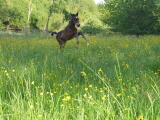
(48, 14)
(12, 12)
(92, 25)
(124, 16)
(132, 16)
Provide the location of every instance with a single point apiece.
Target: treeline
(45, 15)
(135, 17)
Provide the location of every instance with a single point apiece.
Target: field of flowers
(115, 78)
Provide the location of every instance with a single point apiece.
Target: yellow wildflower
(67, 98)
(39, 116)
(90, 97)
(100, 90)
(32, 82)
(140, 117)
(119, 94)
(85, 89)
(62, 105)
(31, 107)
(104, 97)
(100, 70)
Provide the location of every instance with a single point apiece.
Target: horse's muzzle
(78, 25)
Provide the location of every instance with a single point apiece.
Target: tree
(13, 12)
(92, 25)
(136, 17)
(44, 14)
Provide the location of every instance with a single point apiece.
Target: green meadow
(115, 78)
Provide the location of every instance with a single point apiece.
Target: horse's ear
(77, 14)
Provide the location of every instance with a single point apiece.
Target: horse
(69, 32)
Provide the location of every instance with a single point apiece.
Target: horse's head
(75, 19)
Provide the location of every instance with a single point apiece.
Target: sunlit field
(115, 78)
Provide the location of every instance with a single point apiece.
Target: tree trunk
(46, 29)
(49, 15)
(137, 35)
(28, 18)
(7, 27)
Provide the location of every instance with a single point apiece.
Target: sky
(98, 1)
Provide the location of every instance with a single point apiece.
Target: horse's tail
(53, 33)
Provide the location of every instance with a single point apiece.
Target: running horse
(69, 32)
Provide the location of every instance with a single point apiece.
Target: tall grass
(115, 78)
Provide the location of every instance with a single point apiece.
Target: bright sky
(99, 1)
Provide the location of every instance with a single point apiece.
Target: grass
(116, 78)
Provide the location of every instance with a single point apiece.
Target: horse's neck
(71, 24)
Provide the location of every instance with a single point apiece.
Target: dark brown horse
(69, 32)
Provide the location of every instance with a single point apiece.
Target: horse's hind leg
(80, 33)
(61, 43)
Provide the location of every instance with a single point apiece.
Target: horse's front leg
(77, 41)
(80, 33)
